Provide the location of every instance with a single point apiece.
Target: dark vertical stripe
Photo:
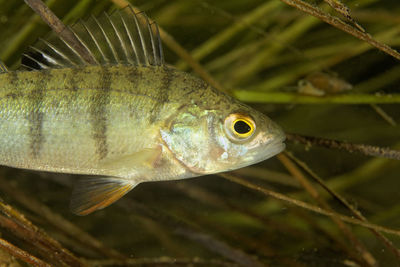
(35, 114)
(13, 79)
(73, 77)
(74, 83)
(163, 92)
(134, 76)
(98, 113)
(14, 88)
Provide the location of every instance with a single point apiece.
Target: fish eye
(239, 127)
(242, 127)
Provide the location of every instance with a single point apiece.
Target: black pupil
(241, 127)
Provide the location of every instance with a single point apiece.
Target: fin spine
(146, 56)
(118, 38)
(82, 60)
(57, 51)
(86, 47)
(130, 39)
(121, 41)
(107, 39)
(159, 57)
(40, 64)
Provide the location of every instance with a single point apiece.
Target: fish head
(245, 137)
(215, 140)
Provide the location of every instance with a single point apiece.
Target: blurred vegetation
(257, 50)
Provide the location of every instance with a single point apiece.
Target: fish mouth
(278, 147)
(275, 148)
(268, 151)
(263, 153)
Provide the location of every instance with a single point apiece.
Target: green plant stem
(222, 37)
(294, 98)
(316, 12)
(307, 206)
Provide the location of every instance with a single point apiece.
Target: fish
(321, 84)
(123, 118)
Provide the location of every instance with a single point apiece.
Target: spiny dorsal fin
(124, 37)
(3, 67)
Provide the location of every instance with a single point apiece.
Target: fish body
(81, 120)
(124, 121)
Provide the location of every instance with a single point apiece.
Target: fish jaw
(263, 152)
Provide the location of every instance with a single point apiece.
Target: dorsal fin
(124, 37)
(3, 67)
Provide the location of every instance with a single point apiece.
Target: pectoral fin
(94, 193)
(139, 161)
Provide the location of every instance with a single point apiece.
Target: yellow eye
(240, 127)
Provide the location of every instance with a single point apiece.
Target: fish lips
(263, 152)
(271, 149)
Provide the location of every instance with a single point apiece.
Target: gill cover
(188, 139)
